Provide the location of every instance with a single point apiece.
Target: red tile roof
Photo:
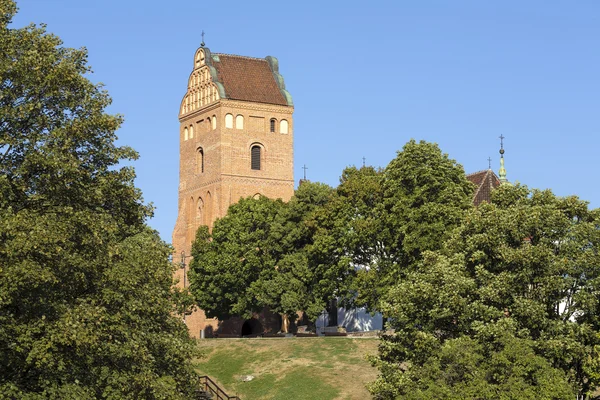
(248, 79)
(486, 181)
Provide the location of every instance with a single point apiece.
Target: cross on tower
(364, 160)
(489, 162)
(304, 168)
(202, 44)
(501, 146)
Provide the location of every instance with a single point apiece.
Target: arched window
(200, 160)
(208, 209)
(228, 121)
(283, 126)
(255, 157)
(272, 125)
(214, 122)
(185, 133)
(239, 122)
(191, 131)
(200, 210)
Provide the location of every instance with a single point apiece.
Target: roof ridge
(479, 172)
(238, 56)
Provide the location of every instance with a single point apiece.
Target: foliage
(353, 243)
(299, 284)
(86, 307)
(530, 258)
(347, 231)
(380, 222)
(494, 364)
(256, 257)
(226, 264)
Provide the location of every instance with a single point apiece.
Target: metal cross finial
(304, 168)
(202, 44)
(501, 141)
(364, 160)
(489, 162)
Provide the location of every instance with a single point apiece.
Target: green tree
(238, 254)
(380, 222)
(531, 258)
(86, 304)
(300, 284)
(347, 232)
(257, 257)
(494, 364)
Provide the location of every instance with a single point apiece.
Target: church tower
(236, 140)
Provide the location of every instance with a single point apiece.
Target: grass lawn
(323, 368)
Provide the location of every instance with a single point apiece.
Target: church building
(235, 140)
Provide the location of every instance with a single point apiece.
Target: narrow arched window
(191, 131)
(208, 210)
(185, 133)
(200, 160)
(255, 156)
(200, 210)
(272, 125)
(228, 121)
(239, 122)
(214, 122)
(283, 126)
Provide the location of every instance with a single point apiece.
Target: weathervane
(202, 44)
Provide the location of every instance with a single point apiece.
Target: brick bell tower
(236, 140)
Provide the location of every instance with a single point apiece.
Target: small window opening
(283, 126)
(255, 156)
(239, 122)
(200, 161)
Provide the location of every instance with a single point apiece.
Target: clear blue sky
(365, 78)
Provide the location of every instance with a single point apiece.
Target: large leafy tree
(348, 232)
(299, 284)
(237, 254)
(86, 305)
(380, 222)
(425, 195)
(528, 264)
(257, 256)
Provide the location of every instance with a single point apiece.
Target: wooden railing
(211, 387)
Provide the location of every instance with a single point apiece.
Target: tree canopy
(86, 304)
(521, 272)
(380, 221)
(257, 256)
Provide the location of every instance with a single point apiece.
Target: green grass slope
(290, 368)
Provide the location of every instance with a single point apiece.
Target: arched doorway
(252, 327)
